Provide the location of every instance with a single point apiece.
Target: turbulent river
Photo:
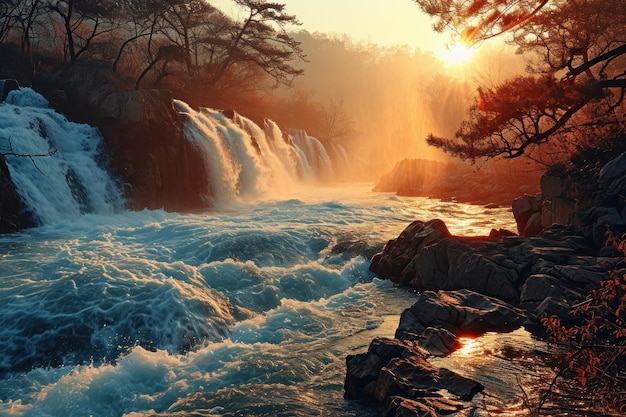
(249, 309)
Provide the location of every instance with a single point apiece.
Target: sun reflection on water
(469, 347)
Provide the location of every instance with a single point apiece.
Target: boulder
(398, 252)
(396, 375)
(13, 215)
(523, 209)
(462, 313)
(477, 264)
(404, 407)
(363, 369)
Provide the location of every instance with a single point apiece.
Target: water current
(249, 309)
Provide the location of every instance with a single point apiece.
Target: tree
(259, 40)
(82, 21)
(214, 49)
(576, 81)
(20, 16)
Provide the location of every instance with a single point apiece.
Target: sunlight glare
(469, 346)
(457, 54)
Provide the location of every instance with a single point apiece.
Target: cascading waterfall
(54, 163)
(314, 153)
(247, 162)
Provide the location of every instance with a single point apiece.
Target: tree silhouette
(576, 81)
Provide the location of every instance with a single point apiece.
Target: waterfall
(247, 161)
(55, 164)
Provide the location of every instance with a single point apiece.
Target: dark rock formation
(397, 253)
(6, 86)
(396, 375)
(460, 313)
(143, 135)
(494, 283)
(13, 215)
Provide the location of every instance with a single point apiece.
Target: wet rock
(397, 375)
(363, 369)
(437, 341)
(462, 313)
(476, 264)
(398, 252)
(404, 407)
(13, 215)
(460, 386)
(6, 86)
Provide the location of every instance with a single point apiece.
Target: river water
(246, 309)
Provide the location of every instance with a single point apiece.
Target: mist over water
(246, 309)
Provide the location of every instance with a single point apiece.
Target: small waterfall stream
(56, 165)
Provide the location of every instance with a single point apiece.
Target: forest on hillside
(378, 102)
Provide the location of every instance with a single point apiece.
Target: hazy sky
(384, 22)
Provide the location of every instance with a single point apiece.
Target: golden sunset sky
(383, 22)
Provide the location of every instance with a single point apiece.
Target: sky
(383, 22)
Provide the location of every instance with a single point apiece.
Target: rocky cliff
(492, 283)
(156, 165)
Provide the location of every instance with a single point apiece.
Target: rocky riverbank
(469, 286)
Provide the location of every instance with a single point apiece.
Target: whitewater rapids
(246, 310)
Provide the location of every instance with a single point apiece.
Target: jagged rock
(437, 341)
(411, 377)
(13, 216)
(397, 375)
(363, 369)
(404, 407)
(397, 253)
(475, 264)
(458, 385)
(462, 313)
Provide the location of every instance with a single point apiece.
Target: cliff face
(592, 203)
(143, 136)
(13, 217)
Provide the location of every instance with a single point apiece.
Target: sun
(456, 54)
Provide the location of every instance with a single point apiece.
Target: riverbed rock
(462, 313)
(398, 252)
(477, 264)
(13, 214)
(6, 86)
(396, 375)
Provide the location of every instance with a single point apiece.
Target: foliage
(595, 340)
(480, 19)
(577, 74)
(176, 44)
